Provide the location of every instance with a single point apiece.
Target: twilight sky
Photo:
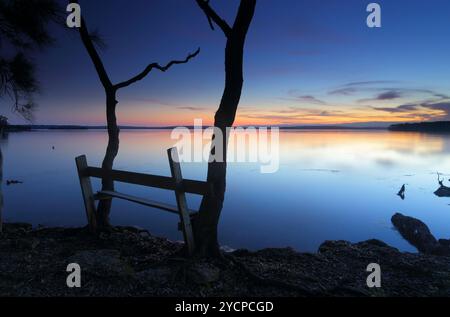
(306, 62)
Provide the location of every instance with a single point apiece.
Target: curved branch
(213, 16)
(152, 66)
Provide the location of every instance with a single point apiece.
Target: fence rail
(163, 182)
(175, 183)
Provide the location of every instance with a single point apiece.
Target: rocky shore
(129, 261)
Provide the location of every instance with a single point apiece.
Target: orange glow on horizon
(161, 117)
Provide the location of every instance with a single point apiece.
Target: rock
(135, 229)
(226, 249)
(241, 252)
(442, 191)
(376, 242)
(25, 244)
(145, 234)
(444, 242)
(331, 246)
(159, 276)
(41, 227)
(17, 227)
(418, 234)
(203, 273)
(101, 263)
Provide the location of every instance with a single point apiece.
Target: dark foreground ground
(131, 262)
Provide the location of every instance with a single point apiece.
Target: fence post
(175, 169)
(86, 190)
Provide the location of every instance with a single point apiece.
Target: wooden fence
(175, 183)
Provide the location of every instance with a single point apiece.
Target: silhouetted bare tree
(111, 89)
(206, 222)
(23, 28)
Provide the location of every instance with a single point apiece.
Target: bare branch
(213, 16)
(96, 60)
(152, 66)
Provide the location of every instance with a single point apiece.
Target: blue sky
(306, 62)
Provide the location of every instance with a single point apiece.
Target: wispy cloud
(292, 115)
(369, 83)
(351, 88)
(386, 95)
(389, 95)
(311, 99)
(343, 91)
(442, 106)
(192, 108)
(423, 111)
(308, 99)
(380, 91)
(398, 109)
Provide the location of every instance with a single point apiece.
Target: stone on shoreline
(101, 262)
(419, 235)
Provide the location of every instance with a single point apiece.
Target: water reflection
(330, 185)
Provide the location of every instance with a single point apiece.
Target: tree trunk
(104, 206)
(206, 223)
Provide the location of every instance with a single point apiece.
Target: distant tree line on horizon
(437, 126)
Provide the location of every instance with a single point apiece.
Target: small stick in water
(401, 193)
(13, 182)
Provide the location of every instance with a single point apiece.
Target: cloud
(354, 87)
(369, 83)
(293, 114)
(290, 110)
(398, 109)
(441, 106)
(343, 91)
(389, 95)
(442, 96)
(386, 95)
(311, 99)
(327, 113)
(424, 111)
(383, 92)
(192, 108)
(303, 98)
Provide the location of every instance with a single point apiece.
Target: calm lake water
(330, 185)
